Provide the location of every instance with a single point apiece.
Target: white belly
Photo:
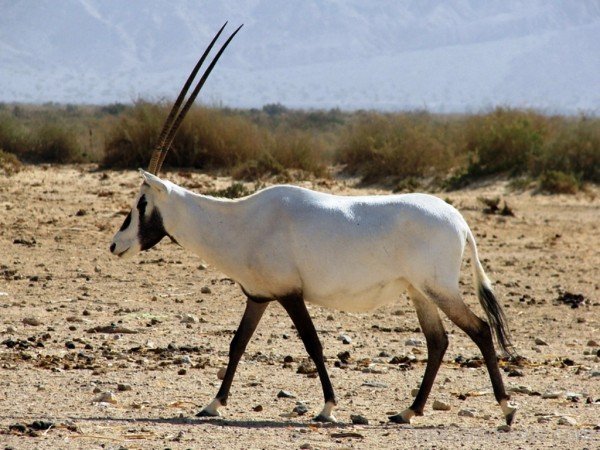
(360, 301)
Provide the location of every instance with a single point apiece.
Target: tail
(490, 305)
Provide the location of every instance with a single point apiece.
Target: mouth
(121, 253)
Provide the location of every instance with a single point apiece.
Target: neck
(205, 226)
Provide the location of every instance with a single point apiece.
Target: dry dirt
(58, 281)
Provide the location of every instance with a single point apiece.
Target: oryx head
(143, 227)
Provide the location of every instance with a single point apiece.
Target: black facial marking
(151, 229)
(141, 206)
(126, 222)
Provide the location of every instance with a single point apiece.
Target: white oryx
(294, 245)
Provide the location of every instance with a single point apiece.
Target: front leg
(252, 315)
(296, 308)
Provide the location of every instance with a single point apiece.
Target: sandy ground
(174, 319)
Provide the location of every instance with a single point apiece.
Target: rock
(539, 341)
(515, 373)
(288, 359)
(70, 345)
(440, 406)
(413, 342)
(306, 446)
(202, 267)
(184, 359)
(257, 408)
(18, 427)
(357, 419)
(345, 339)
(41, 425)
(205, 290)
(181, 372)
(504, 428)
(374, 384)
(121, 387)
(189, 318)
(306, 368)
(552, 394)
(592, 343)
(285, 394)
(32, 321)
(221, 373)
(595, 374)
(520, 390)
(466, 413)
(567, 420)
(414, 392)
(11, 330)
(300, 409)
(106, 397)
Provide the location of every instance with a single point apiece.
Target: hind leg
(479, 331)
(437, 343)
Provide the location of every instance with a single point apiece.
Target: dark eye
(126, 223)
(141, 206)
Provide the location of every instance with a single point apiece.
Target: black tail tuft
(496, 318)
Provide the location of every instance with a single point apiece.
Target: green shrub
(557, 182)
(502, 141)
(9, 163)
(53, 142)
(402, 145)
(13, 135)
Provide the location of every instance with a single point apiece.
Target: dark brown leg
(252, 315)
(296, 308)
(437, 343)
(479, 331)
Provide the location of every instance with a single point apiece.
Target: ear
(154, 182)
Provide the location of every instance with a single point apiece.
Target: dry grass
(448, 150)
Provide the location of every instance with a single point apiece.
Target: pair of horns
(173, 119)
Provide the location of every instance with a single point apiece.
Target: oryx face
(143, 227)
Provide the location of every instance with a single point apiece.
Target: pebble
(552, 394)
(221, 373)
(357, 419)
(567, 420)
(540, 341)
(123, 387)
(189, 318)
(205, 290)
(70, 345)
(345, 339)
(300, 409)
(504, 428)
(306, 446)
(466, 413)
(595, 374)
(11, 330)
(592, 343)
(184, 359)
(181, 372)
(414, 392)
(520, 389)
(440, 406)
(32, 321)
(257, 408)
(285, 394)
(106, 397)
(413, 342)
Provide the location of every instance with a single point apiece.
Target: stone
(412, 342)
(32, 321)
(504, 428)
(414, 392)
(257, 408)
(540, 341)
(440, 406)
(567, 420)
(357, 419)
(552, 394)
(300, 409)
(106, 397)
(221, 373)
(122, 387)
(466, 413)
(285, 394)
(592, 343)
(189, 318)
(345, 339)
(205, 290)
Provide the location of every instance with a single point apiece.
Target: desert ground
(99, 352)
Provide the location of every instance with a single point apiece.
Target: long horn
(171, 125)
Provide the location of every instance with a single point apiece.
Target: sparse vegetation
(404, 150)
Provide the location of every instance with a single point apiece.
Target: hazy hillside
(443, 55)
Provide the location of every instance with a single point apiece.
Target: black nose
(112, 247)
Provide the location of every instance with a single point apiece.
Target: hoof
(510, 417)
(325, 419)
(206, 413)
(398, 418)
